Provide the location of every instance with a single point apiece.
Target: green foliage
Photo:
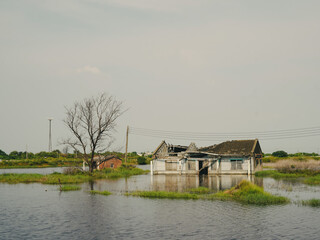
(41, 162)
(301, 154)
(306, 176)
(312, 202)
(249, 193)
(3, 155)
(70, 188)
(314, 180)
(141, 160)
(106, 193)
(20, 178)
(280, 153)
(277, 175)
(59, 178)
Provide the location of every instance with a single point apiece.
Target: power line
(201, 136)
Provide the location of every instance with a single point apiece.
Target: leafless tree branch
(92, 122)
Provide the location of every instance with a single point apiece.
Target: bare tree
(92, 122)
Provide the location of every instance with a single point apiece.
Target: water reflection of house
(177, 183)
(231, 157)
(110, 161)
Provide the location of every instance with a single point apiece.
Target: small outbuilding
(110, 161)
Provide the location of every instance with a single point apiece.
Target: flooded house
(110, 161)
(231, 157)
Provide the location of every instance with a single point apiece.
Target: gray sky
(179, 65)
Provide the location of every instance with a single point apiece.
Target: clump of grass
(314, 180)
(106, 193)
(249, 193)
(70, 188)
(163, 194)
(312, 202)
(245, 192)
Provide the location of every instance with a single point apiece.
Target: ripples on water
(30, 212)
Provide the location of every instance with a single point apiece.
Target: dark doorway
(202, 170)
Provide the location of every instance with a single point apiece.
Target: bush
(142, 160)
(280, 153)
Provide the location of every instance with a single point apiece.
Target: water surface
(36, 211)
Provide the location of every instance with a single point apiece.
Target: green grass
(312, 202)
(106, 193)
(70, 188)
(41, 163)
(314, 180)
(20, 178)
(59, 178)
(305, 176)
(277, 175)
(249, 193)
(163, 194)
(272, 159)
(245, 192)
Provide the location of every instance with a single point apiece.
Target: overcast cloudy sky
(179, 65)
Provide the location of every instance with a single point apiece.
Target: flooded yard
(37, 211)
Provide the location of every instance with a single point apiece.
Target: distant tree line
(283, 154)
(16, 155)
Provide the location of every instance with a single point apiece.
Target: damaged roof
(235, 147)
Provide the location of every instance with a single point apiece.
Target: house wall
(107, 164)
(226, 165)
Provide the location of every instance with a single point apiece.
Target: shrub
(141, 160)
(280, 153)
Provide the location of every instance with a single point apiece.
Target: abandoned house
(110, 161)
(231, 157)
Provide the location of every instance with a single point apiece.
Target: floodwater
(36, 211)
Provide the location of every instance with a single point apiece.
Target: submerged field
(70, 177)
(245, 192)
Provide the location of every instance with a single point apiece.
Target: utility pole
(50, 140)
(126, 156)
(27, 151)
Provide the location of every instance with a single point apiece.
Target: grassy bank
(71, 177)
(305, 176)
(41, 163)
(245, 192)
(272, 159)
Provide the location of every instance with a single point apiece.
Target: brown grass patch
(290, 165)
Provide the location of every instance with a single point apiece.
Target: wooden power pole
(126, 156)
